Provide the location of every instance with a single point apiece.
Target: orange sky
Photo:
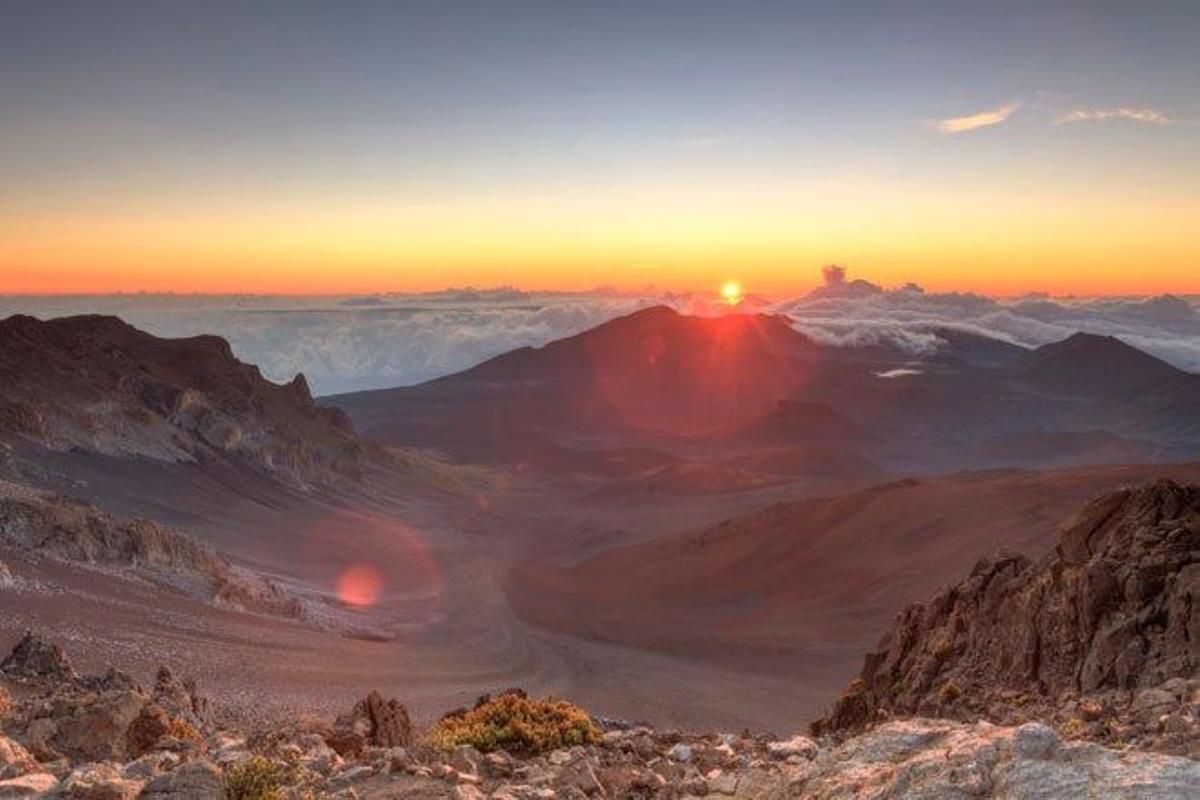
(997, 148)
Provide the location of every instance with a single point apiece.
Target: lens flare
(731, 292)
(360, 586)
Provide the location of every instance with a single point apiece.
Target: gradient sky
(357, 146)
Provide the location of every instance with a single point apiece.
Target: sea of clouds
(345, 344)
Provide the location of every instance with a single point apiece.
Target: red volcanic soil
(805, 587)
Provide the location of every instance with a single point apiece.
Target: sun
(731, 292)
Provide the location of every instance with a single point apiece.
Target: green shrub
(517, 724)
(256, 778)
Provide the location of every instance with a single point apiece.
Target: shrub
(1073, 728)
(517, 724)
(256, 778)
(183, 730)
(950, 692)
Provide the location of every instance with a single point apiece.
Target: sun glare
(360, 586)
(731, 292)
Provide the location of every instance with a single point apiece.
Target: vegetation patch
(517, 724)
(256, 778)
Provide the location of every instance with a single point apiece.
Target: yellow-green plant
(517, 724)
(256, 778)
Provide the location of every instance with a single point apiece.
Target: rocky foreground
(1101, 638)
(106, 737)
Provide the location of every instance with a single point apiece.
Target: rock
(798, 745)
(150, 765)
(941, 759)
(179, 698)
(35, 784)
(1109, 611)
(196, 780)
(722, 782)
(1148, 704)
(148, 727)
(465, 759)
(372, 722)
(7, 581)
(15, 760)
(95, 730)
(103, 781)
(1035, 740)
(33, 657)
(680, 752)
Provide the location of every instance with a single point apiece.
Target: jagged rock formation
(1102, 636)
(97, 384)
(373, 722)
(73, 530)
(33, 657)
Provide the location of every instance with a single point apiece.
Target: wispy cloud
(981, 119)
(1147, 116)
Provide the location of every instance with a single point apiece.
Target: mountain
(721, 389)
(1101, 633)
(654, 373)
(98, 385)
(1085, 365)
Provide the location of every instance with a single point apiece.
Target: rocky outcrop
(373, 722)
(1102, 636)
(97, 718)
(33, 657)
(65, 528)
(97, 384)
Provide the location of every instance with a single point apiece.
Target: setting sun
(731, 291)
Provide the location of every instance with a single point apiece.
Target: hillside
(96, 384)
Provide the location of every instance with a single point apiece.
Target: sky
(333, 147)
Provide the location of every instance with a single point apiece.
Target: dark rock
(33, 657)
(372, 723)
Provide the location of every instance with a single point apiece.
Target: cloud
(911, 319)
(981, 119)
(704, 141)
(345, 344)
(1147, 116)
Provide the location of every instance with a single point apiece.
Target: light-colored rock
(196, 780)
(680, 752)
(34, 784)
(99, 782)
(1035, 740)
(15, 760)
(941, 759)
(796, 746)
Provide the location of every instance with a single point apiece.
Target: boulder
(195, 780)
(35, 784)
(15, 760)
(372, 723)
(102, 781)
(180, 698)
(94, 729)
(147, 728)
(33, 657)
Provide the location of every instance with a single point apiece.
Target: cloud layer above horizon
(346, 344)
